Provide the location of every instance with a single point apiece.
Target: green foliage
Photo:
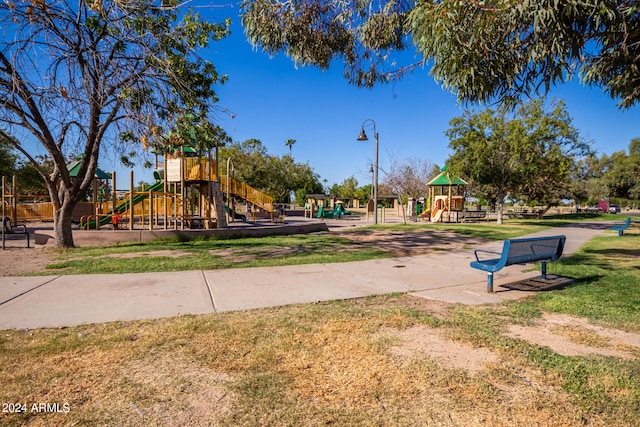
(8, 158)
(289, 143)
(76, 74)
(277, 176)
(613, 176)
(28, 178)
(348, 189)
(362, 34)
(622, 172)
(529, 154)
(481, 51)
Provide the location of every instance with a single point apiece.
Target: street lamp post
(363, 137)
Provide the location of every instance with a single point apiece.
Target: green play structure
(336, 212)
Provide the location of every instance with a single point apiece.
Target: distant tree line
(535, 155)
(278, 176)
(531, 155)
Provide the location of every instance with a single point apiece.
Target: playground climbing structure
(446, 197)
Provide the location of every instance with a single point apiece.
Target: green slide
(122, 207)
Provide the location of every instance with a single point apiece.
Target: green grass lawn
(347, 362)
(209, 254)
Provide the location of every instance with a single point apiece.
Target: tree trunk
(62, 225)
(500, 211)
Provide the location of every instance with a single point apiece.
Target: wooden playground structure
(446, 197)
(189, 192)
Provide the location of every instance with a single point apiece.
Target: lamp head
(362, 136)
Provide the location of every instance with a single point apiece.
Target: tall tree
(530, 153)
(277, 176)
(8, 158)
(28, 179)
(621, 172)
(409, 177)
(74, 74)
(480, 50)
(289, 143)
(348, 189)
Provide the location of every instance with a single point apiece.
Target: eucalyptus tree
(480, 50)
(74, 74)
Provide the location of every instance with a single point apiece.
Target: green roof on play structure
(74, 168)
(446, 179)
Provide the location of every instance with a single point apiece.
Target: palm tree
(289, 143)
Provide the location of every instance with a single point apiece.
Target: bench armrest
(486, 252)
(24, 228)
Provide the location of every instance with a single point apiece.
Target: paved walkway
(56, 301)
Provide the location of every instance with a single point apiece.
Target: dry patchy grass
(394, 360)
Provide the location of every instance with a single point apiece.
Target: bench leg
(490, 283)
(544, 269)
(620, 233)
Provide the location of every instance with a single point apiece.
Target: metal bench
(621, 227)
(8, 228)
(521, 251)
(473, 215)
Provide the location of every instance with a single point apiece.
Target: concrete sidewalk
(57, 301)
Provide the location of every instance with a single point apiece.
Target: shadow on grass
(625, 253)
(584, 280)
(582, 259)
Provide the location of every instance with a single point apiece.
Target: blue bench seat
(621, 227)
(520, 251)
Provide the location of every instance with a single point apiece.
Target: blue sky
(273, 101)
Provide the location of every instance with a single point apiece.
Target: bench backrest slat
(522, 251)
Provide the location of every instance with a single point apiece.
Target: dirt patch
(408, 243)
(558, 332)
(241, 255)
(572, 336)
(172, 378)
(15, 261)
(435, 345)
(164, 252)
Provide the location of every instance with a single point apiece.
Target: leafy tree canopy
(618, 175)
(277, 176)
(74, 74)
(480, 50)
(530, 153)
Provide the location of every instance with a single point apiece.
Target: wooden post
(131, 200)
(175, 205)
(4, 188)
(183, 193)
(114, 197)
(15, 199)
(94, 197)
(150, 210)
(166, 205)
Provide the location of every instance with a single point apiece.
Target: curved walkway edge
(61, 301)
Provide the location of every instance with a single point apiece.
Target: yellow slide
(437, 214)
(441, 206)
